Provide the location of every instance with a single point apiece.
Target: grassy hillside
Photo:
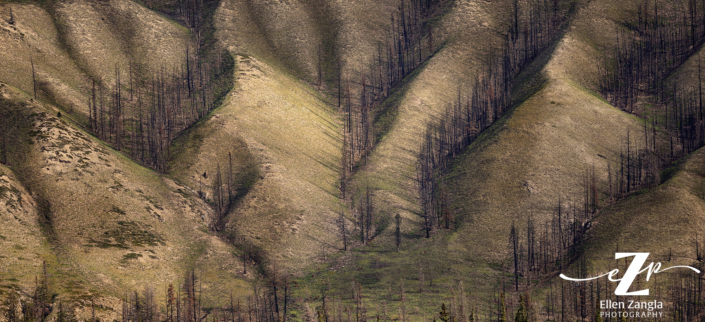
(112, 225)
(24, 245)
(35, 37)
(285, 142)
(662, 220)
(106, 225)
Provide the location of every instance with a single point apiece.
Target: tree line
(273, 300)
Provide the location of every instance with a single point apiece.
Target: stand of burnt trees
(141, 111)
(408, 44)
(143, 122)
(270, 302)
(272, 299)
(661, 40)
(535, 25)
(546, 248)
(680, 293)
(227, 188)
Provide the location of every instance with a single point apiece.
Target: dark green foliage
(126, 234)
(130, 256)
(443, 314)
(598, 315)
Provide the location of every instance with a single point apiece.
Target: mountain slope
(110, 225)
(285, 142)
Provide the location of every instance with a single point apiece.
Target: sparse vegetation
(472, 155)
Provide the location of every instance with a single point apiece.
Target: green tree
(443, 314)
(598, 312)
(502, 309)
(522, 313)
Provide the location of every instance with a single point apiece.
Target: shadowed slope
(77, 41)
(23, 245)
(541, 151)
(114, 225)
(281, 129)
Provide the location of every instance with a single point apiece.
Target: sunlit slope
(103, 35)
(529, 160)
(115, 226)
(34, 37)
(301, 33)
(542, 150)
(293, 141)
(75, 42)
(23, 245)
(470, 29)
(664, 220)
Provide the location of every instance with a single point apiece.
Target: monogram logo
(634, 269)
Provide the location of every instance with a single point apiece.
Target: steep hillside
(471, 28)
(539, 154)
(24, 245)
(286, 142)
(112, 225)
(662, 221)
(74, 42)
(34, 38)
(246, 118)
(302, 34)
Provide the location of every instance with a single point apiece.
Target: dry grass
(34, 36)
(663, 219)
(290, 33)
(427, 95)
(116, 226)
(22, 243)
(666, 218)
(103, 35)
(75, 41)
(291, 135)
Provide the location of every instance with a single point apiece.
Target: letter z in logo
(634, 269)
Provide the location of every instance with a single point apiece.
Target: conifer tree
(598, 312)
(522, 313)
(397, 231)
(443, 314)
